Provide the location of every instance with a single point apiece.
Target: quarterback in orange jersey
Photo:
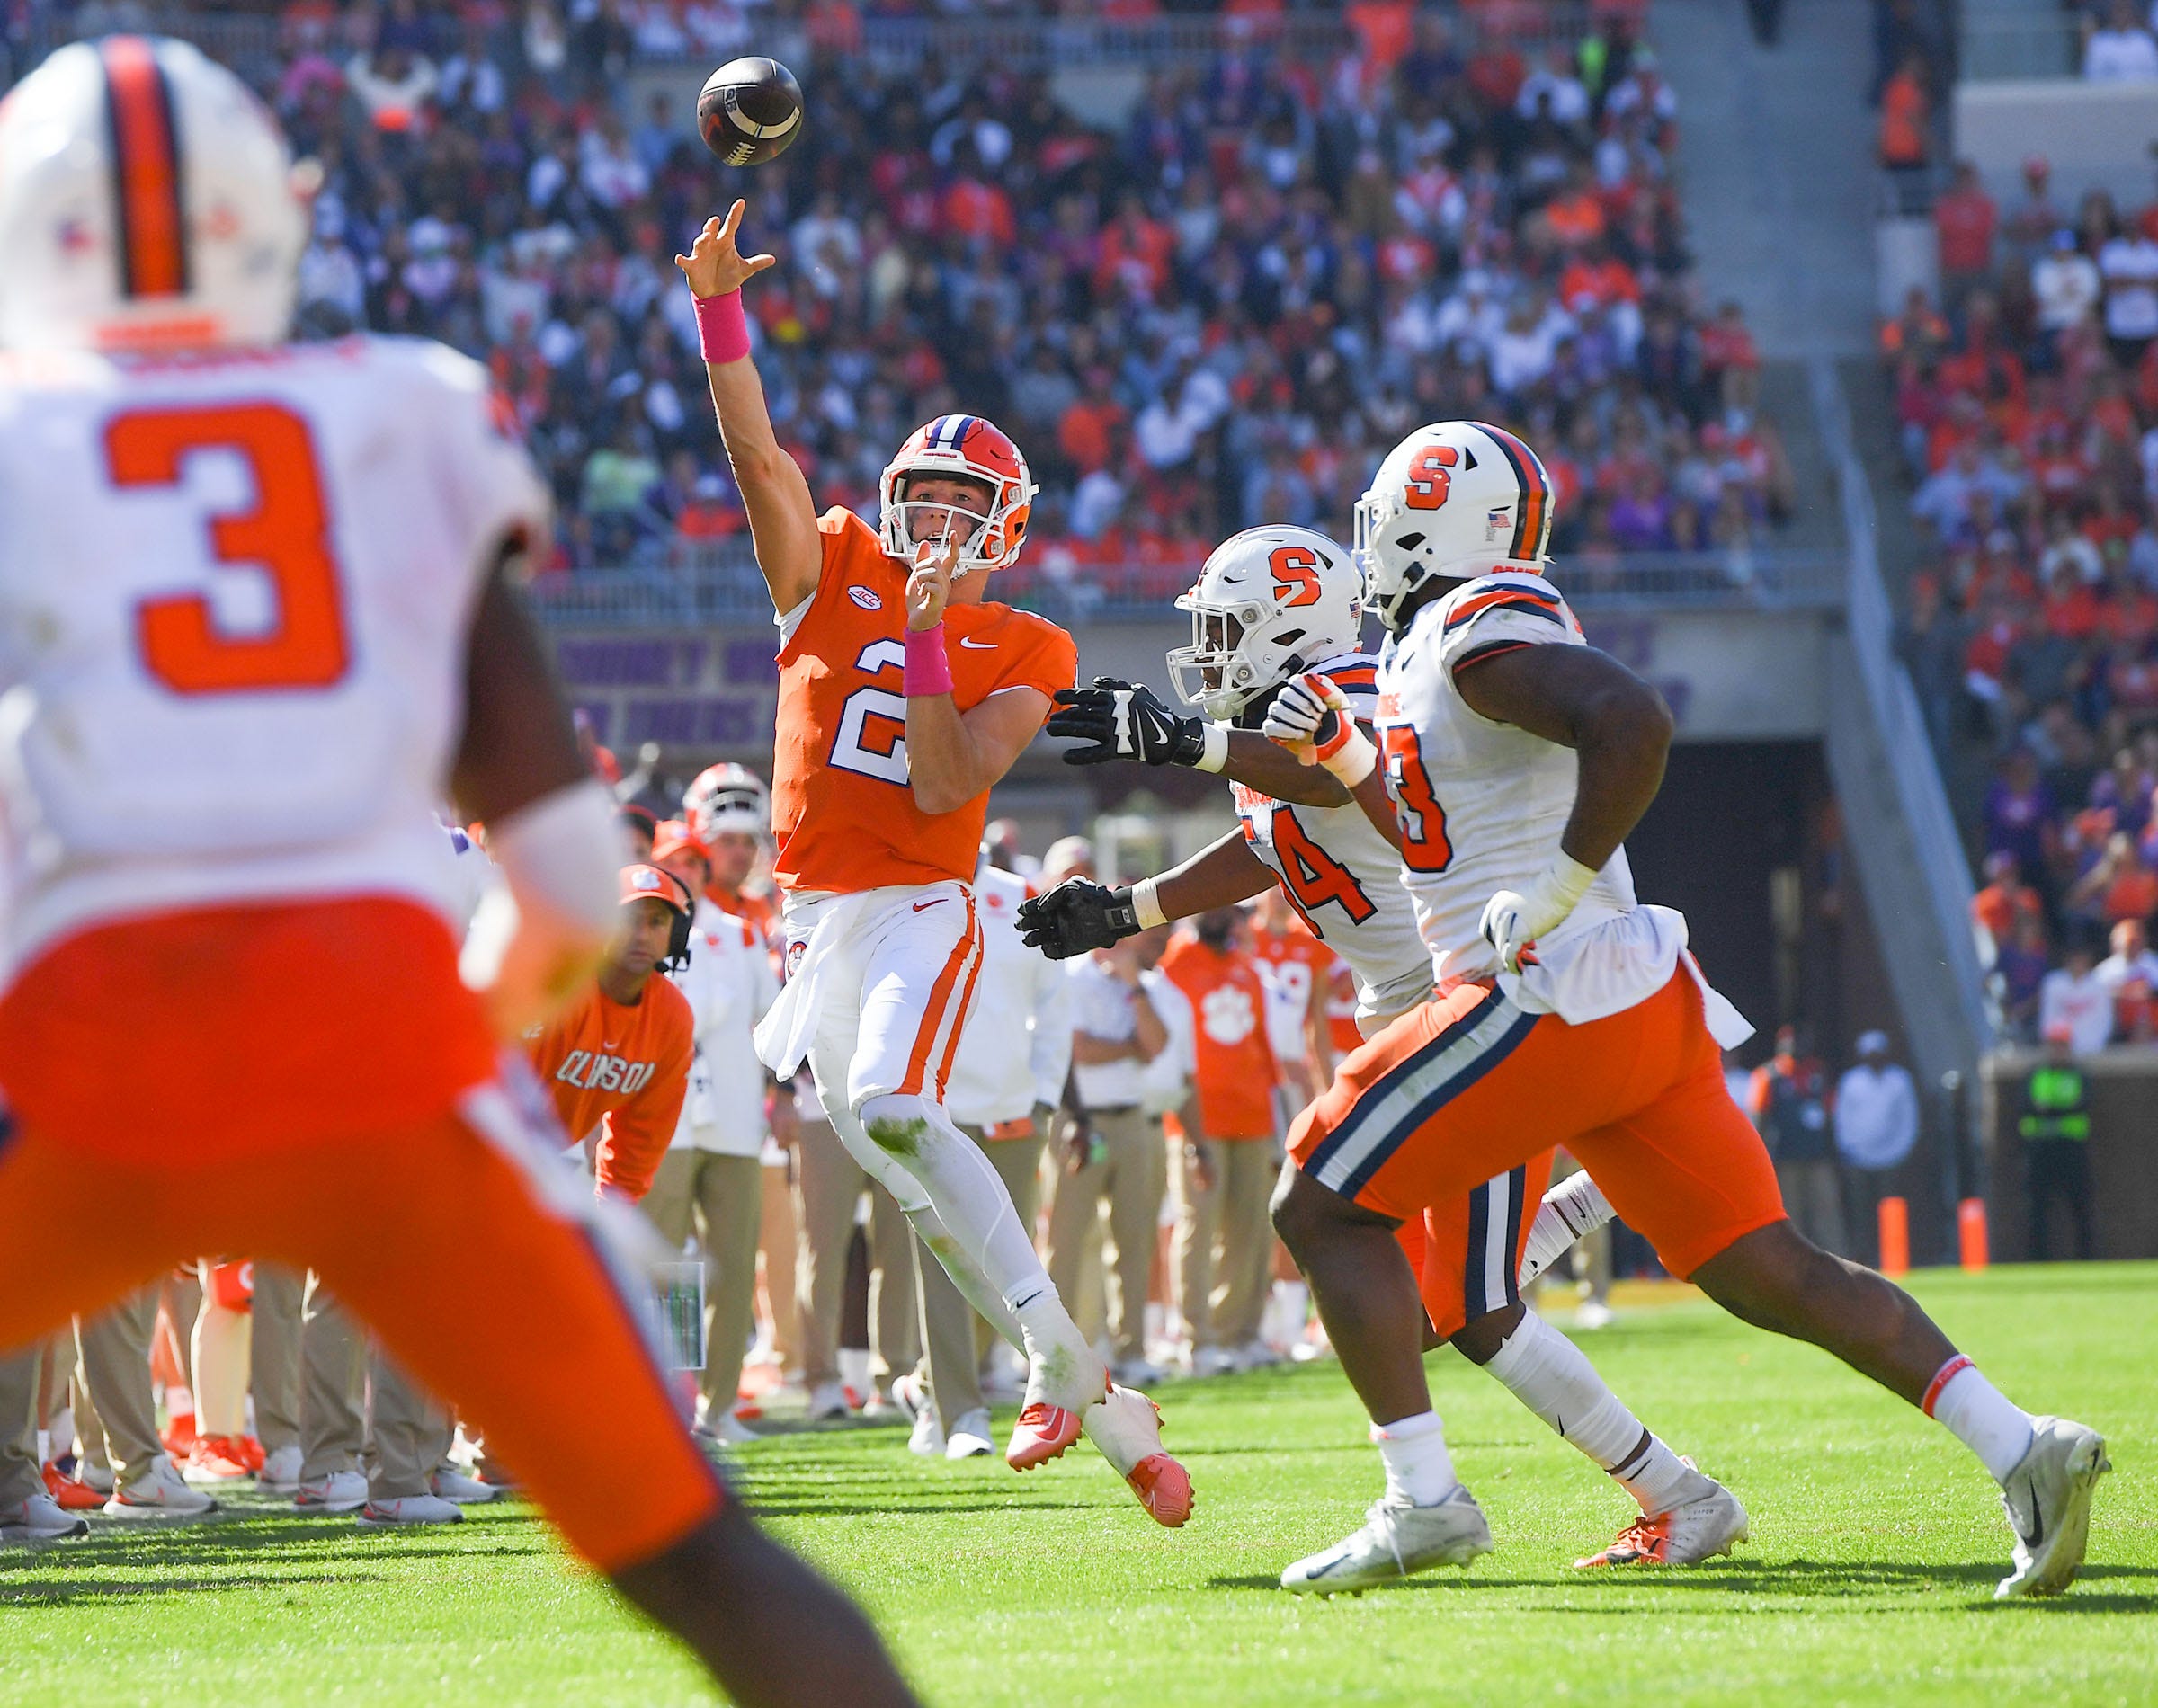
(905, 694)
(1512, 759)
(617, 1060)
(161, 446)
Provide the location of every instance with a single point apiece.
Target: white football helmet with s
(1269, 603)
(148, 201)
(1453, 499)
(726, 797)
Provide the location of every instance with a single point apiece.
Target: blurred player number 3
(285, 536)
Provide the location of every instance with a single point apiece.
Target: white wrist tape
(1563, 883)
(1146, 902)
(563, 855)
(1217, 753)
(1354, 760)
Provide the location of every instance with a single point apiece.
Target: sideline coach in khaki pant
(1013, 1053)
(1121, 1048)
(711, 1180)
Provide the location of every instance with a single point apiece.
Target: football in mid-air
(749, 110)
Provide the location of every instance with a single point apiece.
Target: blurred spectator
(1964, 220)
(2056, 1128)
(1789, 1105)
(2071, 997)
(2130, 974)
(1876, 1128)
(2120, 49)
(1906, 143)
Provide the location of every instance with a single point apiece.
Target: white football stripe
(761, 131)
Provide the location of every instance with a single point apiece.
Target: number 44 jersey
(1343, 876)
(235, 591)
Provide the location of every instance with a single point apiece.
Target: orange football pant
(1467, 1086)
(286, 1081)
(1467, 1252)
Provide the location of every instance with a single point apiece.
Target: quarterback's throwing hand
(1118, 721)
(1074, 917)
(714, 266)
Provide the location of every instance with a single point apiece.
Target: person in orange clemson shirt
(616, 1061)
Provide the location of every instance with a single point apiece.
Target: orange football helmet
(969, 447)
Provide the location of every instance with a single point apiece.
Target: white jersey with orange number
(1482, 806)
(1343, 876)
(234, 604)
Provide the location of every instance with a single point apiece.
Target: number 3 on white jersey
(871, 741)
(285, 537)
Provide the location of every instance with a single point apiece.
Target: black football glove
(1074, 917)
(1124, 721)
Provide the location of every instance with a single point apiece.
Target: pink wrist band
(722, 330)
(928, 667)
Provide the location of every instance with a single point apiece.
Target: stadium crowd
(1217, 312)
(2026, 400)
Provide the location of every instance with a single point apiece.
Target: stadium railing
(722, 588)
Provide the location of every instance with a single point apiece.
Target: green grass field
(1875, 1544)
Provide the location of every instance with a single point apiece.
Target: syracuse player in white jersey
(255, 621)
(1512, 759)
(905, 694)
(1267, 600)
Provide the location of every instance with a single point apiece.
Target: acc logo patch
(865, 598)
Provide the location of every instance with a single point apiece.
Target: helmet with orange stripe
(1453, 499)
(950, 472)
(148, 201)
(1269, 603)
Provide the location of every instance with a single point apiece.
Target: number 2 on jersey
(285, 537)
(1422, 820)
(872, 737)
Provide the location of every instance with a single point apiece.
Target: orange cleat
(179, 1436)
(71, 1495)
(217, 1459)
(1042, 1433)
(1126, 1427)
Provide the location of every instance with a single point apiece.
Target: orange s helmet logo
(966, 447)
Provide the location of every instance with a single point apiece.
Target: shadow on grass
(76, 1591)
(1800, 1577)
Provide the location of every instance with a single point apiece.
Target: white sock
(1980, 1416)
(1551, 1376)
(1574, 1207)
(979, 1224)
(1419, 1469)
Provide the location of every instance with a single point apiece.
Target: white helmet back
(726, 797)
(1453, 499)
(1269, 603)
(148, 201)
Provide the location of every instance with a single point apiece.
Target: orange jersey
(1294, 964)
(1236, 1069)
(624, 1070)
(842, 814)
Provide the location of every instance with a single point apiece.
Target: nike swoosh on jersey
(979, 647)
(932, 902)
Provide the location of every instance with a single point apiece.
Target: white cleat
(1126, 1427)
(730, 1431)
(970, 1437)
(340, 1491)
(1702, 1528)
(409, 1509)
(926, 1440)
(910, 1395)
(2048, 1497)
(160, 1492)
(280, 1474)
(1395, 1540)
(454, 1486)
(39, 1518)
(829, 1402)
